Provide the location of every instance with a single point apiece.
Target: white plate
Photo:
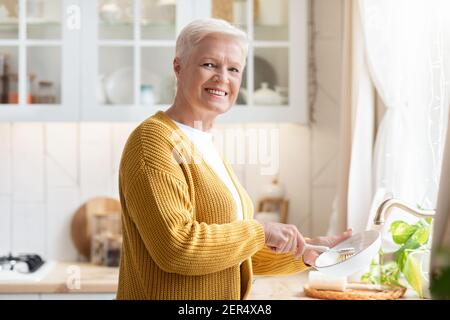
(366, 245)
(119, 85)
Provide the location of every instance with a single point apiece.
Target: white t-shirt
(204, 143)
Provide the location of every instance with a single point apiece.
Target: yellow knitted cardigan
(181, 237)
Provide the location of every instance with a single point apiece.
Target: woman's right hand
(283, 238)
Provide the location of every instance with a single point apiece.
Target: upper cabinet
(274, 86)
(39, 60)
(116, 64)
(127, 54)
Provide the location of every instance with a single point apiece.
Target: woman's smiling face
(210, 76)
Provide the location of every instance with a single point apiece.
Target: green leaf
(390, 273)
(372, 276)
(402, 231)
(412, 239)
(429, 220)
(413, 273)
(421, 235)
(402, 253)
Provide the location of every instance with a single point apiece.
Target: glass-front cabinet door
(128, 51)
(111, 60)
(129, 45)
(274, 85)
(39, 54)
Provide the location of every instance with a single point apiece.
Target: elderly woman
(188, 224)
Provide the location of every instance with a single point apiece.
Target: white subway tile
(62, 204)
(327, 18)
(29, 228)
(28, 162)
(27, 137)
(326, 113)
(329, 64)
(5, 136)
(94, 132)
(61, 152)
(5, 224)
(322, 206)
(96, 169)
(328, 175)
(120, 134)
(5, 171)
(295, 164)
(5, 158)
(115, 184)
(262, 159)
(28, 177)
(324, 151)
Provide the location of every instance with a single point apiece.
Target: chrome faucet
(387, 205)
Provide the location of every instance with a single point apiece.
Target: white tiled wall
(48, 170)
(325, 127)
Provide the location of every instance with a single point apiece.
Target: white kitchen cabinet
(39, 44)
(119, 66)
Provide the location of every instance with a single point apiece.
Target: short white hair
(198, 29)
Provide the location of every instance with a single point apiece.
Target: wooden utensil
(81, 226)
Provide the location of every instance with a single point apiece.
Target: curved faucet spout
(385, 209)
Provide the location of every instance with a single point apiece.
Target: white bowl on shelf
(110, 13)
(267, 96)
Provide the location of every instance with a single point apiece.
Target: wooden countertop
(63, 278)
(291, 288)
(69, 277)
(75, 277)
(279, 287)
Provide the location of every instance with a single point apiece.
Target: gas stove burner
(26, 263)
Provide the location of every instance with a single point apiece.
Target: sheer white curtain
(356, 130)
(360, 182)
(408, 53)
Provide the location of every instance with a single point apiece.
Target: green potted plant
(407, 267)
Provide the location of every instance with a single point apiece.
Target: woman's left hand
(310, 256)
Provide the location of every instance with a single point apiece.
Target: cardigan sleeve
(268, 262)
(159, 205)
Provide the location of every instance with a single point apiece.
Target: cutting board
(81, 229)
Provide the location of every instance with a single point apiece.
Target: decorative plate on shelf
(119, 85)
(264, 72)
